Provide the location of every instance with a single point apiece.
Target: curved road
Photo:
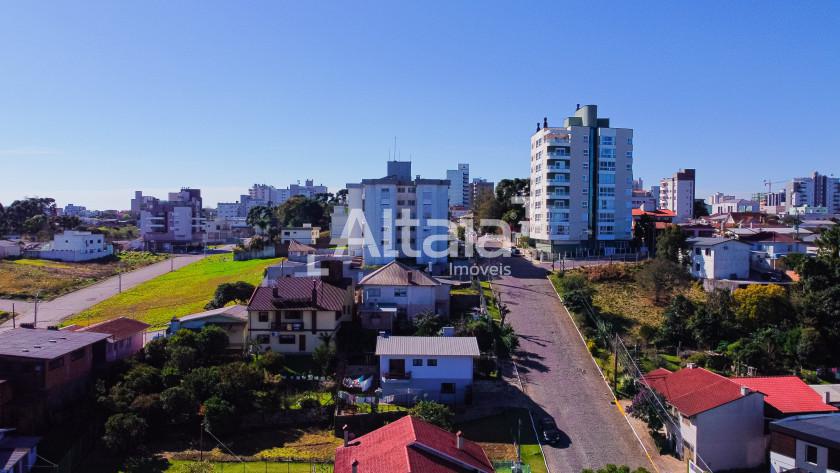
(58, 309)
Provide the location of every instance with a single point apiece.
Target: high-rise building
(676, 193)
(581, 184)
(174, 223)
(477, 188)
(814, 191)
(459, 180)
(383, 202)
(264, 194)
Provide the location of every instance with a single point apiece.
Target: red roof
(299, 294)
(398, 274)
(411, 445)
(787, 394)
(654, 213)
(119, 328)
(693, 390)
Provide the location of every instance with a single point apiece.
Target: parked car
(549, 432)
(515, 252)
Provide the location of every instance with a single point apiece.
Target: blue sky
(98, 99)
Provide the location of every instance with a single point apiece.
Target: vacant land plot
(181, 292)
(498, 434)
(26, 278)
(177, 466)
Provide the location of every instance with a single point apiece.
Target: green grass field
(497, 434)
(177, 466)
(181, 292)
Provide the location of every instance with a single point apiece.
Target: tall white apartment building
(581, 184)
(383, 202)
(459, 185)
(676, 193)
(816, 190)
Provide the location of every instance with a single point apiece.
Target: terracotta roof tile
(787, 394)
(693, 390)
(398, 274)
(299, 293)
(119, 328)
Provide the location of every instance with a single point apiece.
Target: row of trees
(500, 205)
(293, 213)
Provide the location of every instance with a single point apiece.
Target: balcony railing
(386, 377)
(288, 326)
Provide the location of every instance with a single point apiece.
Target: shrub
(433, 413)
(124, 432)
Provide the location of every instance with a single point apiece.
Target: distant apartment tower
(478, 187)
(676, 193)
(646, 199)
(581, 184)
(382, 201)
(459, 182)
(814, 191)
(176, 223)
(264, 194)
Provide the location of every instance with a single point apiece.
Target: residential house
(396, 291)
(829, 393)
(18, 453)
(786, 396)
(9, 249)
(769, 248)
(74, 245)
(306, 234)
(410, 445)
(718, 424)
(298, 251)
(232, 319)
(719, 258)
(127, 336)
(698, 230)
(294, 314)
(809, 443)
(734, 206)
(435, 368)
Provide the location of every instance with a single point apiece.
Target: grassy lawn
(181, 292)
(176, 466)
(497, 434)
(492, 308)
(24, 278)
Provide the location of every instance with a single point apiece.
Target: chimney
(410, 276)
(346, 431)
(827, 397)
(315, 292)
(690, 366)
(538, 126)
(545, 122)
(578, 107)
(745, 390)
(355, 466)
(275, 292)
(459, 440)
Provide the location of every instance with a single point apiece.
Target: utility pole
(35, 322)
(119, 282)
(171, 263)
(615, 363)
(13, 315)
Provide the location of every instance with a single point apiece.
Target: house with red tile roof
(786, 396)
(410, 445)
(293, 314)
(127, 336)
(717, 421)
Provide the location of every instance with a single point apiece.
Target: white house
(295, 313)
(434, 368)
(307, 234)
(719, 258)
(9, 249)
(809, 443)
(75, 246)
(719, 424)
(18, 454)
(396, 290)
(232, 319)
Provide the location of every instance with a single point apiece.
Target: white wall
(448, 367)
(418, 299)
(732, 435)
(725, 259)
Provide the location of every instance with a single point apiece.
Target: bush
(124, 432)
(220, 416)
(143, 379)
(576, 291)
(179, 405)
(433, 413)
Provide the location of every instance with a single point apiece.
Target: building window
(708, 252)
(697, 251)
(400, 292)
(417, 362)
(697, 267)
(447, 388)
(293, 315)
(262, 316)
(286, 339)
(431, 362)
(811, 454)
(607, 140)
(372, 292)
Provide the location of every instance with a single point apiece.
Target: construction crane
(769, 185)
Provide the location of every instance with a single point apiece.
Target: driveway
(58, 309)
(561, 378)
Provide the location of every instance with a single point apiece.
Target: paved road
(52, 312)
(562, 379)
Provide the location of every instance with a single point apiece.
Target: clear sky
(98, 99)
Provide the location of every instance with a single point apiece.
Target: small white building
(718, 424)
(9, 249)
(398, 291)
(809, 443)
(433, 368)
(75, 246)
(307, 234)
(719, 258)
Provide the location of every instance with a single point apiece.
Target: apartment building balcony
(557, 181)
(557, 195)
(558, 168)
(558, 141)
(564, 154)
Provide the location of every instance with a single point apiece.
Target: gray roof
(427, 346)
(43, 344)
(821, 429)
(705, 241)
(238, 311)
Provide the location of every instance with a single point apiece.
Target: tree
(124, 432)
(178, 404)
(645, 407)
(433, 413)
(35, 224)
(700, 209)
(261, 217)
(660, 277)
(270, 361)
(143, 379)
(219, 415)
(644, 232)
(759, 305)
(487, 208)
(211, 343)
(427, 325)
(576, 290)
(202, 382)
(237, 383)
(828, 245)
(239, 291)
(324, 356)
(671, 245)
(68, 222)
(675, 328)
(154, 353)
(300, 210)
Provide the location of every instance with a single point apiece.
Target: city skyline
(106, 100)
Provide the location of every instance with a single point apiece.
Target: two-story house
(719, 424)
(231, 319)
(719, 258)
(809, 443)
(396, 291)
(127, 336)
(294, 314)
(306, 234)
(434, 368)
